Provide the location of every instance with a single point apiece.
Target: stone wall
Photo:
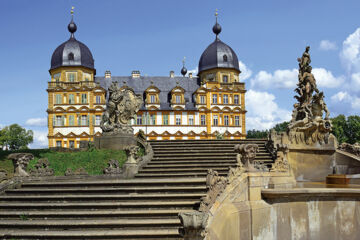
(278, 211)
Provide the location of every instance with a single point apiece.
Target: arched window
(225, 58)
(71, 56)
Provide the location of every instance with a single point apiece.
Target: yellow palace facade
(207, 106)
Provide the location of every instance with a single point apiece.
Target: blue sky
(154, 36)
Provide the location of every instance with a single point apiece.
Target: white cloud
(279, 79)
(325, 78)
(263, 112)
(194, 71)
(245, 71)
(355, 81)
(40, 139)
(288, 79)
(350, 53)
(327, 45)
(345, 103)
(38, 122)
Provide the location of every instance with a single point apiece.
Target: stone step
(209, 158)
(175, 175)
(110, 197)
(116, 183)
(196, 154)
(199, 141)
(190, 165)
(181, 170)
(93, 190)
(102, 205)
(82, 224)
(91, 214)
(170, 233)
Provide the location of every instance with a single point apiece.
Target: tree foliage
(14, 137)
(257, 134)
(346, 129)
(281, 127)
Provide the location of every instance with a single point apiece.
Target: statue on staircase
(121, 107)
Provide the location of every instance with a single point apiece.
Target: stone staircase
(145, 207)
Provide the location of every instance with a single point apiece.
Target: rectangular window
(191, 119)
(214, 98)
(139, 120)
(59, 121)
(87, 77)
(97, 120)
(71, 99)
(71, 120)
(83, 120)
(236, 99)
(57, 77)
(237, 121)
(178, 120)
(58, 143)
(71, 144)
(225, 79)
(203, 120)
(98, 99)
(152, 98)
(202, 99)
(215, 120)
(58, 99)
(165, 119)
(225, 99)
(226, 120)
(152, 119)
(177, 99)
(71, 77)
(83, 98)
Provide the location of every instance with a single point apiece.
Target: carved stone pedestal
(194, 224)
(130, 169)
(115, 142)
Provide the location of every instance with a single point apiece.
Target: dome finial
(217, 27)
(183, 70)
(72, 26)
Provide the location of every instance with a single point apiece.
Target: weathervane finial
(72, 11)
(216, 14)
(183, 61)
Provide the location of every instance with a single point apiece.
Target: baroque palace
(187, 107)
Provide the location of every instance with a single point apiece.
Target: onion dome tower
(218, 56)
(72, 52)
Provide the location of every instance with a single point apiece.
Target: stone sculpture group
(307, 124)
(121, 107)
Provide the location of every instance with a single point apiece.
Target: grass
(93, 161)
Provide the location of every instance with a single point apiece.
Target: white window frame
(68, 74)
(214, 99)
(225, 97)
(226, 120)
(178, 120)
(237, 120)
(202, 99)
(202, 120)
(191, 119)
(216, 120)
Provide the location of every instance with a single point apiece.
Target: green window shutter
(87, 120)
(63, 120)
(79, 120)
(93, 119)
(54, 119)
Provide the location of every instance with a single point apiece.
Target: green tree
(346, 129)
(15, 137)
(281, 127)
(257, 134)
(353, 129)
(339, 128)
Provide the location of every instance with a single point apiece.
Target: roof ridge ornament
(183, 70)
(72, 26)
(216, 28)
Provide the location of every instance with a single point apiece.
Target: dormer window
(152, 99)
(178, 95)
(71, 56)
(177, 99)
(225, 58)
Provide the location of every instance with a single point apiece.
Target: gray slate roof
(164, 84)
